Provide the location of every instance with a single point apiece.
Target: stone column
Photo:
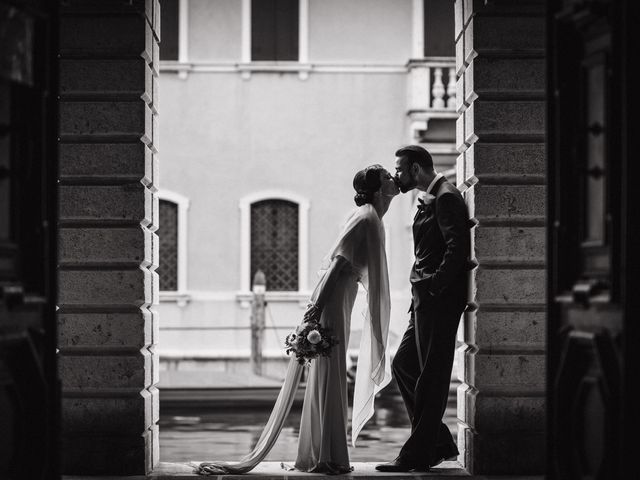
(108, 251)
(500, 135)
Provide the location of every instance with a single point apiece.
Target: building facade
(268, 110)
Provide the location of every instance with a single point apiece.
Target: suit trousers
(422, 368)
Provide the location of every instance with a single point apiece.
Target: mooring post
(257, 321)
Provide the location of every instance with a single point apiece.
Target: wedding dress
(322, 443)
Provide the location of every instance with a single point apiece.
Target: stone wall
(108, 251)
(500, 134)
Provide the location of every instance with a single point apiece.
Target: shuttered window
(274, 30)
(169, 18)
(439, 34)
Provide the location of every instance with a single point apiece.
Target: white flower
(314, 337)
(428, 198)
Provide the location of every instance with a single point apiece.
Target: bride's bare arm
(325, 287)
(328, 280)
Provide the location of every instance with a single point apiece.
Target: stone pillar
(500, 136)
(108, 251)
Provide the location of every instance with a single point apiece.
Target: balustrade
(437, 92)
(451, 88)
(432, 85)
(432, 92)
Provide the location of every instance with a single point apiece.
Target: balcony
(432, 92)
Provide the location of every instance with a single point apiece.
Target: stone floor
(274, 471)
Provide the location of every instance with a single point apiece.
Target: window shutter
(169, 19)
(274, 30)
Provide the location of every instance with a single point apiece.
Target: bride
(358, 256)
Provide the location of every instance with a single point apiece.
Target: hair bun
(366, 183)
(361, 199)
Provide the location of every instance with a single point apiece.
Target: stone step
(274, 470)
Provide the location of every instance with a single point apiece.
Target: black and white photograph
(384, 239)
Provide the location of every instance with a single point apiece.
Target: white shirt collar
(433, 182)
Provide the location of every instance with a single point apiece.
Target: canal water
(230, 433)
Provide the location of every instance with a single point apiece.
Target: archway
(108, 213)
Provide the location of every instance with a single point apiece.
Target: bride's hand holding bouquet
(310, 339)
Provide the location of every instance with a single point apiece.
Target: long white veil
(362, 242)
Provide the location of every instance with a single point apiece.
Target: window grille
(168, 235)
(274, 243)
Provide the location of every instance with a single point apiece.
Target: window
(169, 29)
(274, 234)
(274, 243)
(274, 30)
(172, 245)
(439, 37)
(168, 239)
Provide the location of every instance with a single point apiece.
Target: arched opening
(291, 129)
(328, 70)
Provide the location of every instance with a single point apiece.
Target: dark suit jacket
(441, 242)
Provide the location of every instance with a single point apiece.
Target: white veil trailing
(269, 434)
(362, 243)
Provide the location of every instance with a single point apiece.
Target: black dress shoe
(450, 452)
(401, 465)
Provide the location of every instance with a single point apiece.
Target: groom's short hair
(417, 154)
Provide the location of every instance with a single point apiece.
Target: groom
(423, 362)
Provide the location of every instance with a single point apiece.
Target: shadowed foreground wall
(501, 98)
(108, 251)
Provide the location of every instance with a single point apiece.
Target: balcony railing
(432, 90)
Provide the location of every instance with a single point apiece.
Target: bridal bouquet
(310, 340)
